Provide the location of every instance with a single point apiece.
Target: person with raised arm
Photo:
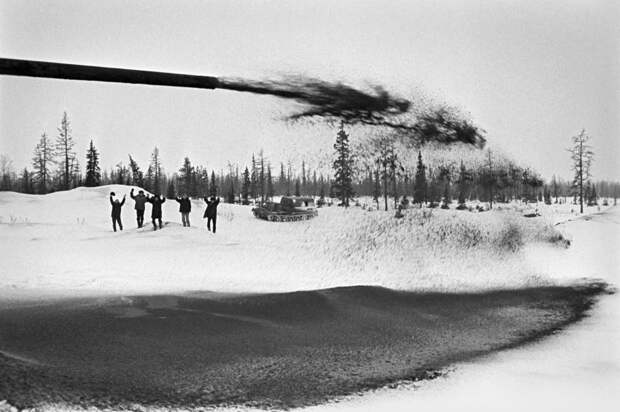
(185, 207)
(140, 201)
(156, 201)
(116, 211)
(211, 211)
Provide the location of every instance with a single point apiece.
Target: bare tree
(7, 172)
(581, 155)
(64, 149)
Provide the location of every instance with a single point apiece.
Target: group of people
(185, 207)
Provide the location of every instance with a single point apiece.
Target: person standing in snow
(211, 212)
(140, 200)
(156, 201)
(185, 207)
(116, 211)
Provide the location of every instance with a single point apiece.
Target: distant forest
(382, 175)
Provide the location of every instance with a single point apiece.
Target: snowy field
(63, 244)
(576, 370)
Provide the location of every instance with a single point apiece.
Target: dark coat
(139, 199)
(116, 207)
(185, 205)
(156, 201)
(211, 207)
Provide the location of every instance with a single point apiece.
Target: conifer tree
(122, 174)
(270, 188)
(253, 178)
(463, 183)
(245, 187)
(187, 177)
(26, 185)
(304, 182)
(261, 176)
(155, 173)
(297, 187)
(137, 177)
(93, 171)
(231, 192)
(554, 186)
(314, 183)
(213, 187)
(42, 162)
(593, 197)
(420, 186)
(343, 168)
(282, 179)
(171, 191)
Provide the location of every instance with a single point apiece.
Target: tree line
(380, 171)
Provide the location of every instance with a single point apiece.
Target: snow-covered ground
(576, 370)
(63, 244)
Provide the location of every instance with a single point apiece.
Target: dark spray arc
(321, 99)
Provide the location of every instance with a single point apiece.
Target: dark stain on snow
(280, 350)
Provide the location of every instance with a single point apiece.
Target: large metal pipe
(31, 68)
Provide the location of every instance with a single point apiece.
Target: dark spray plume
(337, 101)
(321, 99)
(327, 100)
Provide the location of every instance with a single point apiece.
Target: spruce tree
(297, 187)
(42, 162)
(155, 172)
(343, 168)
(270, 189)
(303, 178)
(463, 182)
(261, 176)
(122, 174)
(253, 178)
(186, 176)
(213, 188)
(171, 191)
(282, 180)
(245, 187)
(593, 197)
(420, 186)
(137, 177)
(93, 172)
(231, 192)
(26, 182)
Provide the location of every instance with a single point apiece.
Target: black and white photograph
(312, 205)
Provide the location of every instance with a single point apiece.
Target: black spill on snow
(270, 350)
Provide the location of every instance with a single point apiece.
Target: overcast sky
(531, 73)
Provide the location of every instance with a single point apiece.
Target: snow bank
(63, 243)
